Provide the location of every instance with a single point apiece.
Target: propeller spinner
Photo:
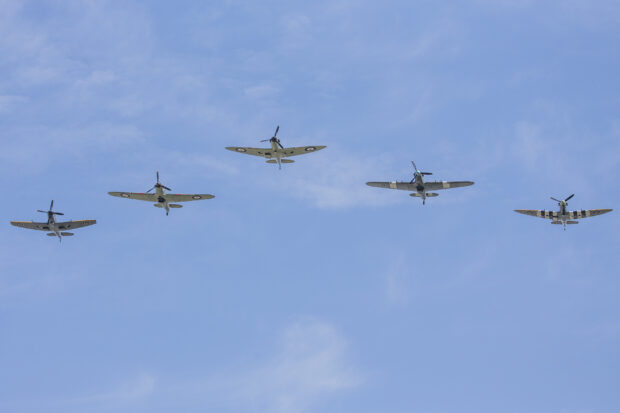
(565, 201)
(274, 138)
(158, 184)
(418, 171)
(50, 211)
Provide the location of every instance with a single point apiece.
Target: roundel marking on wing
(196, 197)
(310, 149)
(241, 150)
(124, 195)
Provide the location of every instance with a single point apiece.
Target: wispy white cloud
(529, 144)
(334, 180)
(135, 389)
(260, 91)
(311, 364)
(8, 102)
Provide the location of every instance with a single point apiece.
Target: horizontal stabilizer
(428, 194)
(572, 222)
(66, 234)
(158, 205)
(175, 206)
(556, 222)
(50, 234)
(272, 161)
(287, 161)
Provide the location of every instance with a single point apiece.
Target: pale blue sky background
(303, 290)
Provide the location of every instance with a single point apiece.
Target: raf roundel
(197, 197)
(241, 150)
(310, 149)
(125, 195)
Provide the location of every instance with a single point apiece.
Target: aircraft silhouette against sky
(563, 216)
(419, 187)
(160, 198)
(54, 228)
(277, 153)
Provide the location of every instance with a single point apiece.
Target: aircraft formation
(278, 154)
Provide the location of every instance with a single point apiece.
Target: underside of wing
(434, 186)
(135, 195)
(537, 213)
(405, 186)
(251, 151)
(41, 226)
(587, 213)
(187, 197)
(300, 150)
(75, 224)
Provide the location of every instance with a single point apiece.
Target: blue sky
(303, 290)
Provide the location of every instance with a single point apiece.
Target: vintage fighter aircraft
(57, 229)
(161, 198)
(277, 153)
(563, 216)
(418, 185)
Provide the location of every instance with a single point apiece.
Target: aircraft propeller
(418, 172)
(50, 210)
(158, 185)
(564, 201)
(274, 138)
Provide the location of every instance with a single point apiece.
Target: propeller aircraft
(161, 198)
(55, 229)
(419, 187)
(563, 216)
(277, 153)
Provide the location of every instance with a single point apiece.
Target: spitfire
(54, 228)
(160, 198)
(563, 216)
(277, 153)
(419, 187)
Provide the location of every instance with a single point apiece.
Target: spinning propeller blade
(50, 210)
(565, 200)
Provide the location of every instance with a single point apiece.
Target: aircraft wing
(434, 186)
(405, 186)
(587, 213)
(300, 150)
(41, 226)
(537, 213)
(428, 186)
(187, 197)
(44, 226)
(75, 224)
(571, 214)
(135, 195)
(251, 151)
(269, 153)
